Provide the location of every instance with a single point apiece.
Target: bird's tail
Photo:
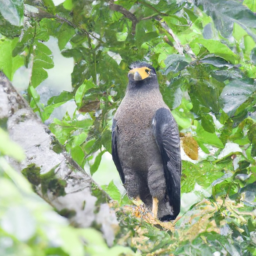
(166, 211)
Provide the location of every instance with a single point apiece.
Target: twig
(74, 26)
(43, 14)
(152, 8)
(149, 17)
(177, 44)
(126, 13)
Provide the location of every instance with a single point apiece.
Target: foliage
(204, 53)
(29, 226)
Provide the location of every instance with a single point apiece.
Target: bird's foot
(155, 207)
(137, 201)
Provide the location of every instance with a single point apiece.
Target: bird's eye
(147, 71)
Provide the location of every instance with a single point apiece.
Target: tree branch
(43, 14)
(126, 13)
(51, 171)
(177, 44)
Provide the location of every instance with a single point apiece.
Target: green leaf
(224, 16)
(121, 36)
(125, 200)
(6, 58)
(7, 29)
(92, 236)
(42, 60)
(62, 133)
(49, 6)
(208, 123)
(175, 63)
(96, 163)
(64, 35)
(12, 11)
(182, 120)
(173, 94)
(203, 173)
(49, 109)
(238, 32)
(249, 44)
(218, 48)
(95, 244)
(182, 114)
(80, 92)
(68, 5)
(38, 75)
(10, 148)
(144, 32)
(215, 61)
(106, 140)
(20, 182)
(26, 41)
(19, 222)
(253, 56)
(234, 94)
(253, 151)
(71, 242)
(55, 102)
(251, 4)
(78, 154)
(63, 97)
(113, 191)
(79, 139)
(224, 186)
(204, 90)
(252, 137)
(35, 103)
(86, 123)
(17, 62)
(207, 138)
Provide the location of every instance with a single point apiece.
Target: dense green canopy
(204, 53)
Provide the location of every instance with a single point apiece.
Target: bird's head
(142, 75)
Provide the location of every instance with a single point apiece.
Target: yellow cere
(143, 71)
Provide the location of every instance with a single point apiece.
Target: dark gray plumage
(146, 144)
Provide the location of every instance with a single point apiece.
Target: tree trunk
(51, 171)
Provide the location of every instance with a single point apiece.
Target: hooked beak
(136, 75)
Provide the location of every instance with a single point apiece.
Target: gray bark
(53, 174)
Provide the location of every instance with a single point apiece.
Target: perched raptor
(146, 144)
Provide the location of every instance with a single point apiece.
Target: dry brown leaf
(190, 146)
(90, 106)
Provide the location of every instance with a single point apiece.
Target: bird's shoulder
(164, 125)
(162, 117)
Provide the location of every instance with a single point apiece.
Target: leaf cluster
(204, 53)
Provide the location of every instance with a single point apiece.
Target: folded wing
(115, 152)
(166, 133)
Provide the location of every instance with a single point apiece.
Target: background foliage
(205, 56)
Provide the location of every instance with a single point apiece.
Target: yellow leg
(137, 198)
(155, 207)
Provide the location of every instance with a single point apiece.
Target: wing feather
(115, 151)
(166, 133)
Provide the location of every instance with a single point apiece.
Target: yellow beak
(139, 73)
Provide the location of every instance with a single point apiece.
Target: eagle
(146, 144)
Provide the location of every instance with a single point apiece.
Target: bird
(146, 144)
